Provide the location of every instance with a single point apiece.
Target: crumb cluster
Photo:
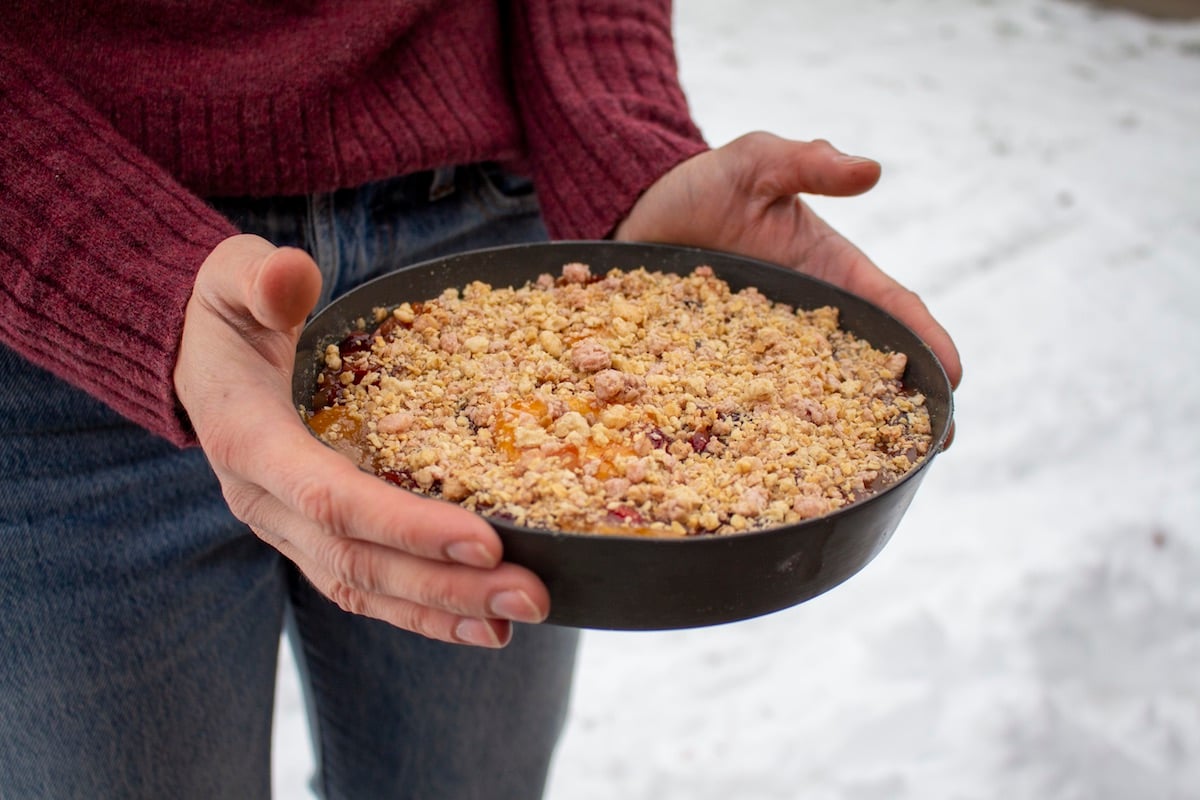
(634, 402)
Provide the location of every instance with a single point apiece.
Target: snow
(1033, 628)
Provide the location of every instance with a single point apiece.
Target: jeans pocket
(505, 191)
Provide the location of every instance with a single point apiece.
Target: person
(182, 185)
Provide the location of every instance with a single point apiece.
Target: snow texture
(1033, 628)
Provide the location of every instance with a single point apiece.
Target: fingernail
(477, 632)
(471, 554)
(515, 605)
(849, 159)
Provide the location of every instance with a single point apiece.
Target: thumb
(785, 167)
(285, 289)
(247, 277)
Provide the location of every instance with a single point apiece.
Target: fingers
(371, 548)
(443, 601)
(359, 574)
(870, 282)
(410, 615)
(325, 487)
(783, 167)
(908, 307)
(327, 490)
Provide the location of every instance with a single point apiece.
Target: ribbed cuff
(99, 249)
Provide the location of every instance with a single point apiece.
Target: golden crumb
(634, 402)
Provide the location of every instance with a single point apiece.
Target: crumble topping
(636, 403)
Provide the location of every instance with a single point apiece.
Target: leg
(139, 621)
(396, 715)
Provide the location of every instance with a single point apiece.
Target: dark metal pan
(637, 583)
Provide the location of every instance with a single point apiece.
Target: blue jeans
(140, 622)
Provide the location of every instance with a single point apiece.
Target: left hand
(424, 565)
(743, 198)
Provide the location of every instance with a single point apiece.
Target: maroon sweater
(117, 116)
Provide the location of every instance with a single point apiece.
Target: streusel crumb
(635, 402)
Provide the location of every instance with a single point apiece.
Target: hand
(420, 564)
(742, 198)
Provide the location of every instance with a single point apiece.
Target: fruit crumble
(632, 402)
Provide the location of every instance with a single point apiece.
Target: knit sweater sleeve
(98, 248)
(602, 108)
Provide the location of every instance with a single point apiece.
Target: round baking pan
(641, 583)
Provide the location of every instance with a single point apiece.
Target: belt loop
(443, 183)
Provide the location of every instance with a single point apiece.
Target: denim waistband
(359, 233)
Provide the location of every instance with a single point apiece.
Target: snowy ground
(1033, 629)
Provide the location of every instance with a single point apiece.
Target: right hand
(420, 564)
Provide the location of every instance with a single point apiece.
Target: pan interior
(633, 582)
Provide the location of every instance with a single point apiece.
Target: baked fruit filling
(632, 402)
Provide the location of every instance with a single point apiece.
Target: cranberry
(404, 479)
(325, 396)
(356, 342)
(625, 515)
(401, 478)
(389, 325)
(657, 438)
(358, 371)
